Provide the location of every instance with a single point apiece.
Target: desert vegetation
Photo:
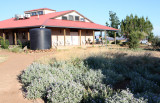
(103, 77)
(3, 58)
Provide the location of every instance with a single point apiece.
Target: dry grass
(86, 52)
(3, 58)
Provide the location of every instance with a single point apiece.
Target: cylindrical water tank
(40, 39)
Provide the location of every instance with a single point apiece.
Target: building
(68, 27)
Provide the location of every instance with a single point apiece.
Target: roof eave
(21, 27)
(59, 27)
(81, 28)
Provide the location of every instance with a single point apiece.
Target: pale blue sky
(95, 10)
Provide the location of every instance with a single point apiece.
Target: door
(74, 38)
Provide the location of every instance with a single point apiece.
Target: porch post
(28, 35)
(115, 37)
(64, 37)
(105, 36)
(4, 37)
(15, 38)
(85, 37)
(80, 32)
(100, 37)
(57, 39)
(93, 36)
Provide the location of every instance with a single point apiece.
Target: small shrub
(34, 71)
(4, 43)
(90, 78)
(97, 94)
(27, 43)
(151, 97)
(111, 77)
(38, 87)
(19, 43)
(139, 85)
(125, 96)
(156, 43)
(16, 49)
(65, 92)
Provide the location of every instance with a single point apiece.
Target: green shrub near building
(4, 43)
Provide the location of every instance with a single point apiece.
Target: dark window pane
(77, 18)
(7, 36)
(23, 35)
(71, 17)
(64, 18)
(40, 12)
(34, 13)
(73, 30)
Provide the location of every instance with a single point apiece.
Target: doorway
(74, 38)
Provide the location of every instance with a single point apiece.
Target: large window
(34, 13)
(71, 17)
(77, 18)
(7, 36)
(23, 35)
(40, 12)
(64, 17)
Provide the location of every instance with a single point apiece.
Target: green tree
(114, 22)
(156, 42)
(134, 23)
(150, 37)
(134, 39)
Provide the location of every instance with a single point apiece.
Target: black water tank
(40, 39)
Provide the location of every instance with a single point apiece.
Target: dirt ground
(10, 88)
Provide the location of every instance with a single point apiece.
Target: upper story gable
(73, 16)
(45, 14)
(41, 11)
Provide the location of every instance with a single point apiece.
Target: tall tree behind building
(114, 22)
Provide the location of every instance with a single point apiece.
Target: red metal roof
(76, 24)
(40, 9)
(45, 20)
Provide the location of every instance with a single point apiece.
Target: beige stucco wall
(58, 37)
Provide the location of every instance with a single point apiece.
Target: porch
(59, 36)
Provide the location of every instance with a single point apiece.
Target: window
(64, 17)
(87, 32)
(82, 19)
(73, 30)
(60, 31)
(23, 35)
(77, 18)
(17, 33)
(28, 13)
(34, 13)
(71, 17)
(40, 12)
(7, 36)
